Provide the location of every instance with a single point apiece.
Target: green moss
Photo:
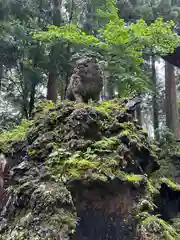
(151, 188)
(176, 223)
(128, 126)
(55, 162)
(32, 153)
(79, 164)
(102, 161)
(134, 178)
(133, 136)
(143, 131)
(15, 235)
(145, 205)
(126, 132)
(53, 116)
(81, 105)
(106, 144)
(77, 167)
(129, 130)
(170, 183)
(156, 225)
(52, 205)
(18, 133)
(44, 106)
(107, 106)
(35, 152)
(131, 178)
(71, 166)
(87, 166)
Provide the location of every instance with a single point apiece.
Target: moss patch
(157, 227)
(108, 144)
(16, 134)
(87, 167)
(170, 183)
(107, 107)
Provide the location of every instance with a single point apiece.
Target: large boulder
(84, 173)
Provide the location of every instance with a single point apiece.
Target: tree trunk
(171, 101)
(66, 83)
(51, 86)
(57, 12)
(32, 98)
(154, 100)
(24, 86)
(52, 77)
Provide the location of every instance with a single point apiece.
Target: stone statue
(86, 81)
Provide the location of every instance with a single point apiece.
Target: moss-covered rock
(7, 138)
(152, 227)
(84, 173)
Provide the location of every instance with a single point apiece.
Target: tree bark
(51, 86)
(57, 12)
(24, 86)
(32, 98)
(52, 76)
(154, 100)
(170, 99)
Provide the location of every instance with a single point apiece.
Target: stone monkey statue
(86, 81)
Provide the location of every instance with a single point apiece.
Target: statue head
(87, 68)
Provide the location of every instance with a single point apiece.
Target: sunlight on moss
(171, 184)
(133, 178)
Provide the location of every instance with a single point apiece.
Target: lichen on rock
(83, 173)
